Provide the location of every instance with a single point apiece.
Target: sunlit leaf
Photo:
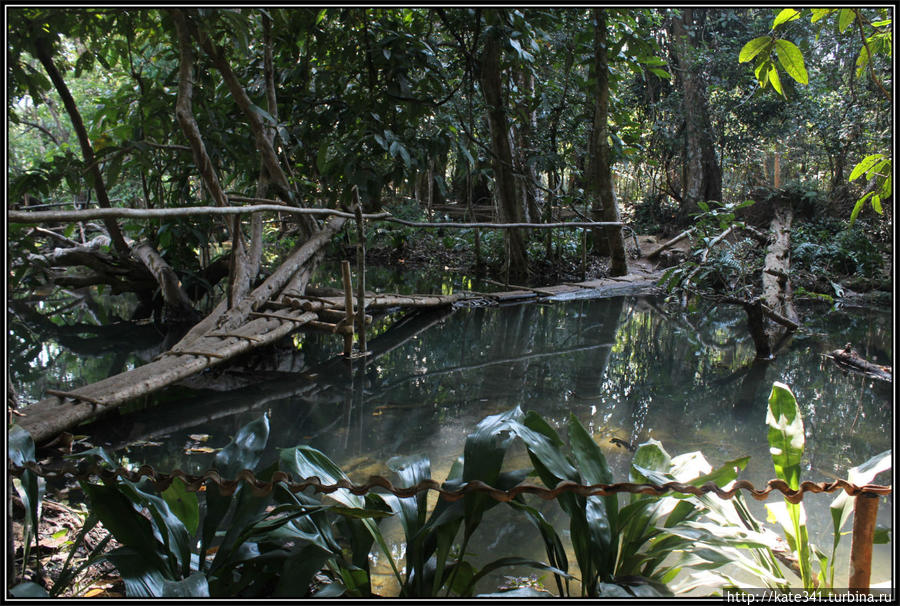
(787, 14)
(183, 504)
(791, 60)
(864, 166)
(776, 81)
(845, 18)
(754, 47)
(786, 437)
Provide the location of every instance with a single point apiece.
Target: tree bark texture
(263, 144)
(776, 285)
(178, 305)
(185, 113)
(511, 209)
(227, 319)
(701, 174)
(609, 240)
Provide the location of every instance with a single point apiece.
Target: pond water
(627, 367)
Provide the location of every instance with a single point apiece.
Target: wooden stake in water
(865, 511)
(361, 277)
(348, 308)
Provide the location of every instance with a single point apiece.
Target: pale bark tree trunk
(701, 174)
(607, 240)
(511, 209)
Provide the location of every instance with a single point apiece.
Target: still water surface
(627, 367)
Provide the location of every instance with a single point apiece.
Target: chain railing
(865, 496)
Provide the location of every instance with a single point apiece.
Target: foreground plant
(178, 543)
(786, 443)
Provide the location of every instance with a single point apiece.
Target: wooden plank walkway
(280, 317)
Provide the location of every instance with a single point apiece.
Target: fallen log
(655, 253)
(849, 359)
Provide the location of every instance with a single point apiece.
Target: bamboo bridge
(314, 310)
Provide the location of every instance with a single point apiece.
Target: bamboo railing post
(865, 511)
(361, 277)
(348, 308)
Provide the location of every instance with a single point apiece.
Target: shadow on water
(627, 367)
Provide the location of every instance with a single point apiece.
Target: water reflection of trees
(627, 367)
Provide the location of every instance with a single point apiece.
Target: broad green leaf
(876, 204)
(141, 577)
(862, 60)
(787, 14)
(864, 165)
(886, 187)
(857, 208)
(776, 81)
(842, 505)
(786, 437)
(194, 586)
(661, 73)
(556, 553)
(845, 18)
(791, 60)
(297, 574)
(754, 47)
(245, 449)
(762, 72)
(545, 445)
(819, 13)
(20, 446)
(175, 537)
(650, 455)
(183, 504)
(119, 516)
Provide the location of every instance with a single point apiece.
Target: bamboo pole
(348, 307)
(19, 216)
(361, 277)
(865, 511)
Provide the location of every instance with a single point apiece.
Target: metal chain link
(450, 491)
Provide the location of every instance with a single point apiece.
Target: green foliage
(715, 263)
(287, 544)
(878, 168)
(824, 250)
(876, 39)
(786, 443)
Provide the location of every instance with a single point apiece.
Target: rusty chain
(198, 482)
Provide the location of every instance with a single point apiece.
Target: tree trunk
(511, 209)
(43, 50)
(263, 144)
(178, 305)
(776, 285)
(701, 174)
(607, 240)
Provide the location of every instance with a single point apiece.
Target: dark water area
(627, 367)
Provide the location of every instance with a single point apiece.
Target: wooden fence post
(865, 510)
(348, 308)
